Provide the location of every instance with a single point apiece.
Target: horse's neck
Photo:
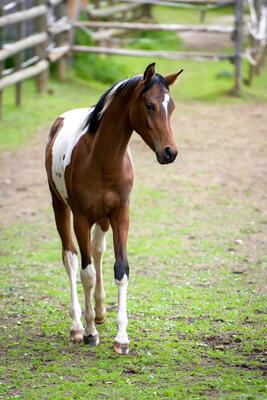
(112, 137)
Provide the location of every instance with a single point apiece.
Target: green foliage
(156, 41)
(97, 67)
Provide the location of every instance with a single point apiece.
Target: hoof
(121, 349)
(76, 336)
(91, 340)
(100, 321)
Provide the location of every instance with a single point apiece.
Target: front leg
(120, 225)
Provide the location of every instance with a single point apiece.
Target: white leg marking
(122, 320)
(98, 248)
(165, 103)
(88, 278)
(70, 261)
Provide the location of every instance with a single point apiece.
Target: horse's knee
(70, 261)
(88, 277)
(121, 270)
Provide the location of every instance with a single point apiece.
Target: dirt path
(219, 145)
(211, 42)
(24, 191)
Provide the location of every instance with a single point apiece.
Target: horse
(90, 177)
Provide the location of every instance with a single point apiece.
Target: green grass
(196, 328)
(19, 124)
(188, 16)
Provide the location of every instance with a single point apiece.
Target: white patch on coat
(122, 319)
(165, 103)
(70, 261)
(68, 136)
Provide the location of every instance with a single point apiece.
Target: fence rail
(172, 55)
(23, 44)
(139, 26)
(23, 16)
(20, 76)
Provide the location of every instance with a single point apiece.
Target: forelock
(156, 79)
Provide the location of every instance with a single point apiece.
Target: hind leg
(88, 276)
(70, 261)
(98, 247)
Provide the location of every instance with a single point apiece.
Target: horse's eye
(150, 106)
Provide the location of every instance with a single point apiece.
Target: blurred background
(221, 44)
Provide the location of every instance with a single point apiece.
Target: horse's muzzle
(167, 156)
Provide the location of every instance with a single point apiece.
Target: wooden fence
(235, 31)
(257, 27)
(47, 44)
(37, 40)
(52, 38)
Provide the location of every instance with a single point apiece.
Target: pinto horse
(90, 175)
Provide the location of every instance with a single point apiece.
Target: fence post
(259, 5)
(41, 24)
(62, 62)
(238, 6)
(96, 3)
(19, 57)
(147, 12)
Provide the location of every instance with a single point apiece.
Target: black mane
(94, 118)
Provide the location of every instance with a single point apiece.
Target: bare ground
(211, 42)
(214, 42)
(221, 145)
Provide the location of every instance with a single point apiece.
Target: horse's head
(150, 113)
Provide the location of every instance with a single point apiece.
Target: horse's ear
(171, 79)
(149, 72)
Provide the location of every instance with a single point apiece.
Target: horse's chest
(95, 204)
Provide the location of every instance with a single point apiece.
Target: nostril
(168, 152)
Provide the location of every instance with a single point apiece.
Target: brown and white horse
(90, 174)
